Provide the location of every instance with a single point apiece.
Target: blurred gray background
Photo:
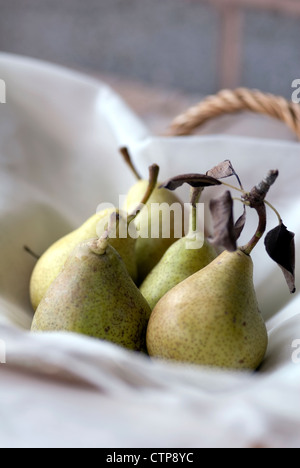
(188, 45)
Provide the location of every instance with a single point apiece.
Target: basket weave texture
(230, 101)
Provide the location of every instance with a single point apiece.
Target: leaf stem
(245, 203)
(233, 187)
(275, 211)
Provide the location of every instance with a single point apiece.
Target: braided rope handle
(229, 101)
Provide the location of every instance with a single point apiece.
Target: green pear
(52, 261)
(149, 250)
(184, 258)
(95, 296)
(212, 318)
(178, 263)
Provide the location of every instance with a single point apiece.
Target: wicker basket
(230, 101)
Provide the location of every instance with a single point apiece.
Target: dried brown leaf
(222, 214)
(194, 180)
(240, 224)
(222, 170)
(280, 245)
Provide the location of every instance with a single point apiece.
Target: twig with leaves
(279, 242)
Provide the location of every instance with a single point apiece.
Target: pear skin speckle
(212, 318)
(95, 296)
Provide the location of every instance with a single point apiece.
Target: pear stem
(196, 193)
(127, 158)
(261, 229)
(100, 246)
(256, 199)
(33, 254)
(153, 176)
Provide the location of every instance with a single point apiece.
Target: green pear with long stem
(151, 247)
(184, 258)
(95, 296)
(52, 261)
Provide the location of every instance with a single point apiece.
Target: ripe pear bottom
(212, 318)
(95, 296)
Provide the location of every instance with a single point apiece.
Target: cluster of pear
(153, 295)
